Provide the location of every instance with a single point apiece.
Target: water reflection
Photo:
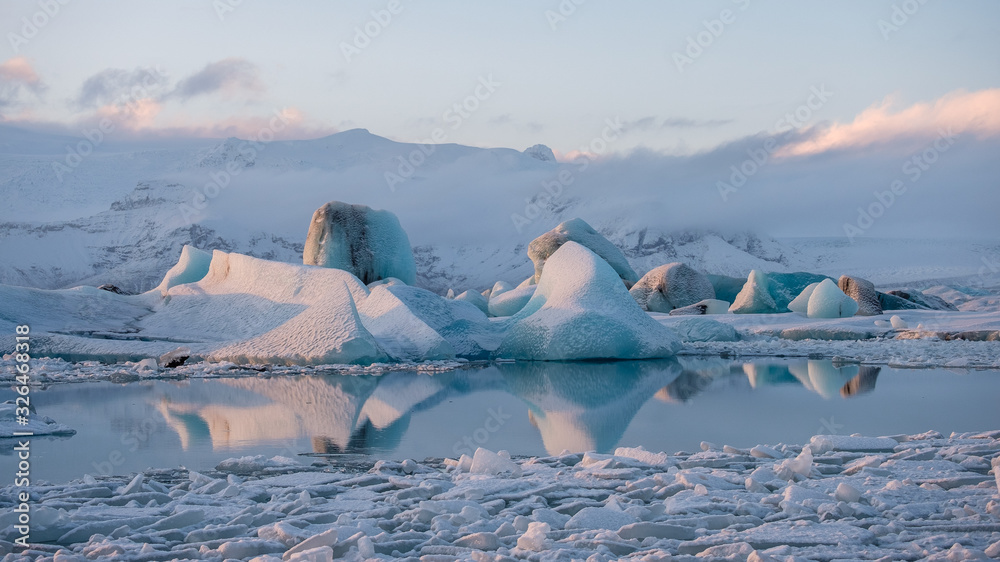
(572, 406)
(586, 406)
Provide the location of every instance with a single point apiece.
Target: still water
(525, 408)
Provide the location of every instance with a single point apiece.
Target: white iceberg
(248, 310)
(826, 300)
(477, 299)
(509, 303)
(581, 310)
(577, 230)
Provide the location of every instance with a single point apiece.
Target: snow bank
(670, 286)
(368, 243)
(577, 230)
(581, 310)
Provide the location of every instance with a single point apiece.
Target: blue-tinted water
(525, 408)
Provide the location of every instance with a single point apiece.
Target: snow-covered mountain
(123, 212)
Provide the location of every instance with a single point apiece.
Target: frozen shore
(900, 497)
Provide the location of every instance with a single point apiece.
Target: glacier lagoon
(526, 408)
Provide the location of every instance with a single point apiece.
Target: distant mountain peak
(540, 152)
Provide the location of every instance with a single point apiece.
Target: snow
(581, 310)
(191, 267)
(510, 302)
(577, 230)
(754, 298)
(559, 507)
(369, 243)
(826, 300)
(863, 292)
(704, 329)
(670, 286)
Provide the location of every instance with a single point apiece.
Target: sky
(676, 78)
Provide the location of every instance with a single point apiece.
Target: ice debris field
(901, 497)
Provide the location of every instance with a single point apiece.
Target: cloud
(959, 112)
(229, 76)
(116, 85)
(17, 78)
(502, 119)
(683, 123)
(652, 123)
(285, 124)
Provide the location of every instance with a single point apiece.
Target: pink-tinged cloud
(959, 112)
(280, 124)
(19, 70)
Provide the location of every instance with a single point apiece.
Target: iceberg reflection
(572, 406)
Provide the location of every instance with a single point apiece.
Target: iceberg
(257, 311)
(509, 303)
(399, 331)
(863, 292)
(477, 299)
(726, 288)
(670, 286)
(826, 300)
(368, 243)
(923, 300)
(581, 310)
(577, 230)
(425, 326)
(191, 267)
(783, 287)
(800, 304)
(754, 298)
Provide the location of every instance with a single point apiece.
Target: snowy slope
(470, 212)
